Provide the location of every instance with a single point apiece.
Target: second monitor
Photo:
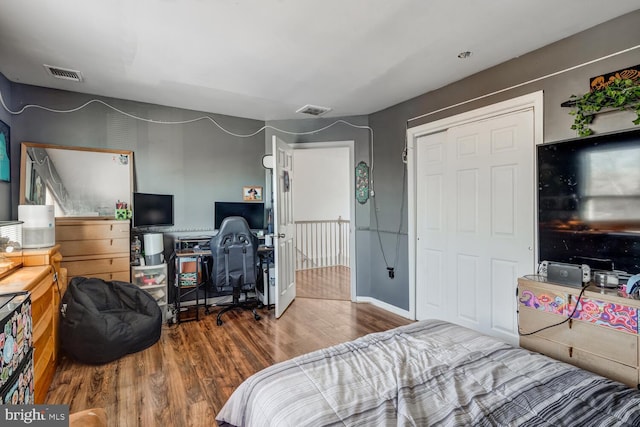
(253, 212)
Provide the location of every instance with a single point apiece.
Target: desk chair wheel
(256, 316)
(219, 321)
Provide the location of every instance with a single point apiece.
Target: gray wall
(5, 187)
(389, 124)
(197, 162)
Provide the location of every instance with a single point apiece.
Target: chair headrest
(234, 225)
(234, 229)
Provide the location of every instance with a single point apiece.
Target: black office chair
(234, 253)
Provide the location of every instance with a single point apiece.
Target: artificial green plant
(619, 94)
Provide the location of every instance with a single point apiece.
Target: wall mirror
(77, 181)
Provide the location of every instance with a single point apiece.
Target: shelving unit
(189, 291)
(153, 279)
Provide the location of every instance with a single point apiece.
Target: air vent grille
(64, 73)
(313, 110)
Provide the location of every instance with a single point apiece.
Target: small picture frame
(252, 194)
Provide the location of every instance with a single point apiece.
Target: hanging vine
(619, 94)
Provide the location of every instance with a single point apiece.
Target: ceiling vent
(64, 73)
(313, 110)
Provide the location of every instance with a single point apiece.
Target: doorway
(323, 209)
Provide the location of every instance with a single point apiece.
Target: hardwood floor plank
(186, 377)
(325, 283)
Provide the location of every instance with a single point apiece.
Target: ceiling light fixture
(464, 55)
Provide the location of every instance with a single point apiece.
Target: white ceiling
(264, 59)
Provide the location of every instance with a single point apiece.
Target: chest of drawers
(39, 277)
(94, 248)
(601, 336)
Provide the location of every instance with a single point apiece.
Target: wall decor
(600, 82)
(362, 183)
(5, 153)
(286, 182)
(252, 193)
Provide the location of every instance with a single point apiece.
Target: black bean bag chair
(101, 321)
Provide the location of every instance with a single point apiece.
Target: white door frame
(352, 200)
(533, 100)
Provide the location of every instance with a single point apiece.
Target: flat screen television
(253, 212)
(152, 210)
(589, 201)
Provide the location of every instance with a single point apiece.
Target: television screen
(589, 201)
(251, 211)
(152, 210)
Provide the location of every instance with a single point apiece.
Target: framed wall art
(252, 193)
(5, 153)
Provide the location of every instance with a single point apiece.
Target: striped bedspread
(428, 373)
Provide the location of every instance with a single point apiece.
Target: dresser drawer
(585, 360)
(122, 276)
(42, 301)
(599, 340)
(44, 368)
(543, 300)
(41, 336)
(96, 266)
(94, 247)
(91, 230)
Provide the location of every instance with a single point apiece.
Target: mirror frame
(24, 146)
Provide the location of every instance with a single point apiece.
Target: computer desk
(265, 256)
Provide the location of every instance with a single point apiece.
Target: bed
(428, 373)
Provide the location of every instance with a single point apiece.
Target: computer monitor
(152, 210)
(253, 212)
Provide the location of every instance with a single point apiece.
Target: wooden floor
(326, 283)
(185, 378)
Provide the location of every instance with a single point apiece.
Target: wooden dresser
(94, 247)
(601, 337)
(38, 275)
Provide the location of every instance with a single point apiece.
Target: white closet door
(475, 222)
(432, 226)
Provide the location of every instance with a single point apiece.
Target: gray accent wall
(196, 162)
(389, 125)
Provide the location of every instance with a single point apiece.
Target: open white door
(284, 231)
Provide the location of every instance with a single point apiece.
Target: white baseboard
(386, 306)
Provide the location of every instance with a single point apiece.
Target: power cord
(555, 324)
(391, 270)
